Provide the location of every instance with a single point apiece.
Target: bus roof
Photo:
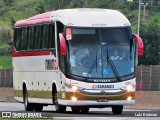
(84, 17)
(91, 17)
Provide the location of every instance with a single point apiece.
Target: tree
(8, 2)
(150, 35)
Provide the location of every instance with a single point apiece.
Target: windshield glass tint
(116, 36)
(90, 50)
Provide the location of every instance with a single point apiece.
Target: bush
(5, 50)
(150, 34)
(5, 34)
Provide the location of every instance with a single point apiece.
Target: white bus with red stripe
(81, 58)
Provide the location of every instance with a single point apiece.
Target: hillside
(14, 10)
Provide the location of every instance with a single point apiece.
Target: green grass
(5, 62)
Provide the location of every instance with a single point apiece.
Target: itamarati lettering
(105, 86)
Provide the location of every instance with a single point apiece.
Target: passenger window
(30, 38)
(17, 38)
(52, 36)
(45, 37)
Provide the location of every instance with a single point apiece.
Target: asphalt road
(94, 113)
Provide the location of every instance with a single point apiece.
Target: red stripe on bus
(38, 53)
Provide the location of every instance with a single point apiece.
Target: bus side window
(52, 37)
(17, 38)
(33, 37)
(36, 37)
(23, 39)
(49, 35)
(38, 31)
(26, 37)
(62, 59)
(45, 37)
(41, 29)
(30, 38)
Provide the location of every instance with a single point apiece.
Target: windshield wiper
(91, 68)
(113, 67)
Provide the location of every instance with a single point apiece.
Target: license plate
(102, 100)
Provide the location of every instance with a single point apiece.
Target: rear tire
(117, 110)
(28, 106)
(59, 108)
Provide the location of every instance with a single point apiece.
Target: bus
(79, 58)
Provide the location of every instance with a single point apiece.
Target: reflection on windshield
(82, 58)
(83, 54)
(120, 57)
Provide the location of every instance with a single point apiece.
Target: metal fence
(6, 78)
(148, 78)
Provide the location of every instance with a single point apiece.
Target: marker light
(129, 98)
(68, 33)
(75, 88)
(74, 99)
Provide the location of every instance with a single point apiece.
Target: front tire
(75, 109)
(78, 109)
(59, 108)
(117, 110)
(28, 106)
(84, 109)
(38, 107)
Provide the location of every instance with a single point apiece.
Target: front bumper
(95, 103)
(95, 100)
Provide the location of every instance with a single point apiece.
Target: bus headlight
(129, 87)
(74, 87)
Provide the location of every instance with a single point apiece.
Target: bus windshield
(101, 53)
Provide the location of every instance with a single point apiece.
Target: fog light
(129, 98)
(74, 99)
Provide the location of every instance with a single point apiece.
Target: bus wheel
(117, 109)
(75, 109)
(59, 108)
(84, 109)
(38, 107)
(28, 106)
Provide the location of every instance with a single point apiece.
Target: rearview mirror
(140, 46)
(62, 44)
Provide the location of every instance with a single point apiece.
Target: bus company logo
(6, 115)
(102, 86)
(103, 92)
